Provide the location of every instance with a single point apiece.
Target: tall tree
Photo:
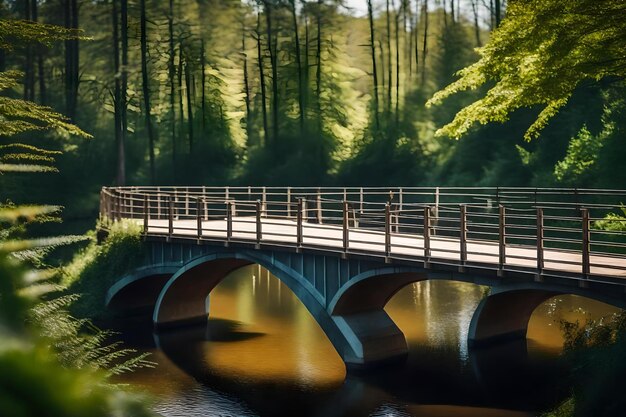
(389, 65)
(476, 25)
(29, 70)
(259, 49)
(370, 14)
(41, 75)
(397, 30)
(146, 89)
(189, 89)
(120, 178)
(246, 81)
(71, 59)
(318, 74)
(425, 41)
(124, 84)
(203, 82)
(301, 110)
(171, 72)
(272, 41)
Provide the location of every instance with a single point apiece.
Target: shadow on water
(261, 353)
(504, 377)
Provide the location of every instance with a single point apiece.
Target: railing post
(146, 214)
(175, 202)
(502, 237)
(435, 212)
(170, 217)
(586, 241)
(463, 234)
(259, 232)
(346, 232)
(264, 206)
(319, 206)
(540, 263)
(199, 217)
(187, 197)
(229, 221)
(299, 222)
(387, 231)
(158, 194)
(361, 200)
(288, 202)
(426, 235)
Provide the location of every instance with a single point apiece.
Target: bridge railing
(460, 226)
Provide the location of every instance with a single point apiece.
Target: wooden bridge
(346, 251)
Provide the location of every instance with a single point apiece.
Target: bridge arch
(504, 314)
(362, 340)
(140, 289)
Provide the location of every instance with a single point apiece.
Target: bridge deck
(411, 246)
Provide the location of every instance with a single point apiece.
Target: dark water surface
(262, 354)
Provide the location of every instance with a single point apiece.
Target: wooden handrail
(547, 219)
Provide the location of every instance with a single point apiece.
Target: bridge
(345, 252)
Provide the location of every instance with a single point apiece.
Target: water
(262, 354)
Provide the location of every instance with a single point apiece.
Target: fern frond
(19, 157)
(26, 168)
(31, 148)
(14, 214)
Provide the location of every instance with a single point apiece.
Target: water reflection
(263, 354)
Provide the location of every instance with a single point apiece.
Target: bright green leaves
(540, 54)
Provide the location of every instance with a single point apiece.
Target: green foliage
(538, 56)
(32, 380)
(597, 351)
(94, 269)
(612, 222)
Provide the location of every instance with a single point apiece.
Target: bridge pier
(374, 339)
(504, 316)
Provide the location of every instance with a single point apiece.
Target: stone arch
(505, 313)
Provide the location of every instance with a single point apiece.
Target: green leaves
(540, 54)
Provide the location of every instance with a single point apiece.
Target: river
(262, 354)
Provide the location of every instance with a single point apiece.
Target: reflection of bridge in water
(345, 252)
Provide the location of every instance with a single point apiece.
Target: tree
(146, 88)
(541, 53)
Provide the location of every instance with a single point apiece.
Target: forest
(235, 92)
(95, 93)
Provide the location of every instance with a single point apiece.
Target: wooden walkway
(542, 232)
(364, 241)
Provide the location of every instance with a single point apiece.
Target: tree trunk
(29, 71)
(180, 91)
(370, 14)
(146, 89)
(188, 85)
(397, 109)
(498, 12)
(40, 67)
(389, 65)
(271, 47)
(124, 79)
(171, 74)
(425, 44)
(117, 97)
(203, 82)
(259, 48)
(246, 82)
(71, 59)
(476, 27)
(299, 65)
(318, 74)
